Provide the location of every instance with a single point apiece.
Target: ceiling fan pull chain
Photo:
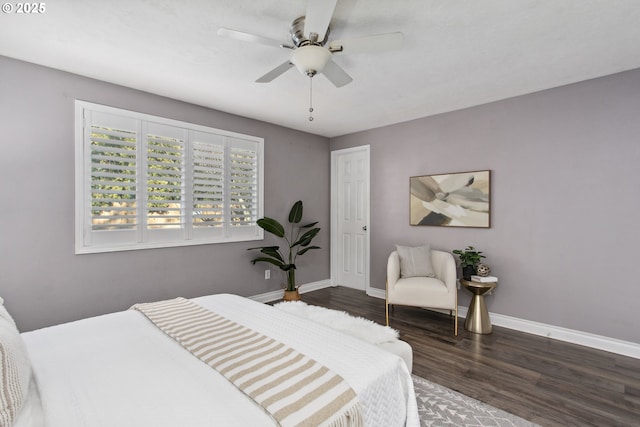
(310, 98)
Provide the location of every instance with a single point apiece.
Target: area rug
(440, 406)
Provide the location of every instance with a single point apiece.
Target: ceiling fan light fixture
(310, 60)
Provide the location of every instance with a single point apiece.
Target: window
(149, 182)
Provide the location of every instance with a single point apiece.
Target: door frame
(335, 251)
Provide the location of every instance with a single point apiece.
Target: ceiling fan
(310, 53)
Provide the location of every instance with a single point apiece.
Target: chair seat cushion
(420, 284)
(411, 291)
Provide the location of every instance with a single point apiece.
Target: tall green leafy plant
(297, 241)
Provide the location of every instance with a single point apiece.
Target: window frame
(114, 240)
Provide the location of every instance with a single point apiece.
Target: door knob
(364, 228)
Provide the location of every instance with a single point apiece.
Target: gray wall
(565, 199)
(44, 283)
(564, 202)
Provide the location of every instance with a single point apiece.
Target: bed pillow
(415, 262)
(15, 369)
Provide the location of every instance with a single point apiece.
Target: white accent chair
(439, 292)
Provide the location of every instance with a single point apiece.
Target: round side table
(478, 320)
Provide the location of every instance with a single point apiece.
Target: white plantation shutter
(165, 177)
(144, 181)
(208, 181)
(243, 180)
(113, 157)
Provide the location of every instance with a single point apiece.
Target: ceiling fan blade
(276, 72)
(367, 44)
(251, 38)
(319, 13)
(336, 74)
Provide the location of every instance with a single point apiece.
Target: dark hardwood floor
(549, 382)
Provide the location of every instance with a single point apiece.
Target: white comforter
(119, 370)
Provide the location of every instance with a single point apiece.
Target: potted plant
(297, 242)
(469, 260)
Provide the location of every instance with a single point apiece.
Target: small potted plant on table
(469, 260)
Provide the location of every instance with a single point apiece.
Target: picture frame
(461, 199)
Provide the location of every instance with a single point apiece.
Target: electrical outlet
(267, 274)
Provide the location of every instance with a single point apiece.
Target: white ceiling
(455, 54)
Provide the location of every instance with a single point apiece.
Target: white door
(350, 217)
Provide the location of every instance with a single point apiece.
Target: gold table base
(478, 320)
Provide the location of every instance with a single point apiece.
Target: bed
(121, 370)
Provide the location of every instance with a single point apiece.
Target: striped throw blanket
(293, 388)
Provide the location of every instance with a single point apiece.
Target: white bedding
(119, 370)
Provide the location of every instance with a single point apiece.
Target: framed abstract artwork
(451, 200)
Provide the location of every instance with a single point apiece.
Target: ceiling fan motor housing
(298, 37)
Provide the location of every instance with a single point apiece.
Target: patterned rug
(440, 406)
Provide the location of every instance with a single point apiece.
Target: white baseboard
(613, 345)
(267, 297)
(377, 293)
(314, 286)
(307, 287)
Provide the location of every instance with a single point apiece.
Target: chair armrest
(444, 266)
(393, 270)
